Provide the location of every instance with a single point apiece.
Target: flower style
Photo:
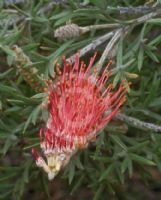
(80, 105)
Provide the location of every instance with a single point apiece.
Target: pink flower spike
(81, 103)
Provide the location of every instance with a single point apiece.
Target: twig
(133, 10)
(138, 123)
(72, 30)
(98, 26)
(92, 45)
(109, 46)
(119, 32)
(107, 36)
(51, 4)
(145, 18)
(11, 2)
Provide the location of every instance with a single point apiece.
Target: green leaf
(7, 50)
(106, 173)
(141, 159)
(13, 109)
(119, 173)
(156, 21)
(130, 166)
(32, 117)
(26, 171)
(30, 47)
(116, 79)
(98, 192)
(155, 41)
(118, 141)
(40, 95)
(124, 165)
(119, 54)
(151, 54)
(140, 57)
(7, 89)
(138, 146)
(10, 60)
(64, 19)
(78, 184)
(6, 194)
(0, 105)
(10, 175)
(158, 163)
(9, 142)
(71, 172)
(27, 123)
(60, 15)
(78, 163)
(45, 185)
(156, 102)
(35, 114)
(100, 4)
(33, 145)
(5, 74)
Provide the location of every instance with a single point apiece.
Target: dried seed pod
(72, 30)
(30, 74)
(67, 32)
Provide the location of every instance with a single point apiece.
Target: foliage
(123, 154)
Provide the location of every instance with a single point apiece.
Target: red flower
(80, 105)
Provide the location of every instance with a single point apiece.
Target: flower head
(80, 105)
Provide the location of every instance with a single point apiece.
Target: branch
(92, 45)
(11, 2)
(133, 10)
(138, 123)
(145, 18)
(47, 8)
(115, 36)
(98, 26)
(109, 46)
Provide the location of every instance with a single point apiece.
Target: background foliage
(125, 162)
